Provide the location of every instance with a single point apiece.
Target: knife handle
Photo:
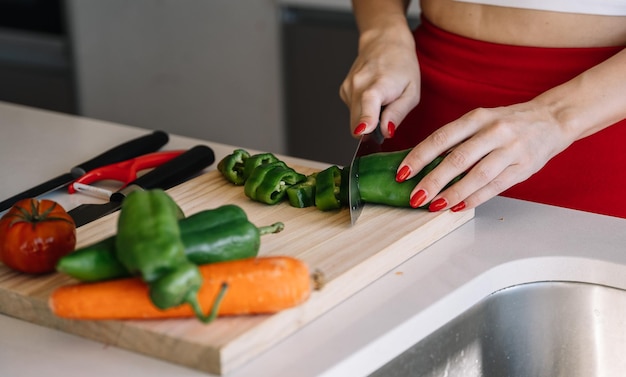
(130, 149)
(173, 172)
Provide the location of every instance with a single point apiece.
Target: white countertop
(509, 242)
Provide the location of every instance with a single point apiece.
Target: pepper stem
(192, 299)
(269, 229)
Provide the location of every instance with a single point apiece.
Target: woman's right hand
(385, 74)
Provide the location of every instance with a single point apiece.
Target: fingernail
(458, 207)
(360, 128)
(391, 128)
(418, 199)
(437, 205)
(403, 174)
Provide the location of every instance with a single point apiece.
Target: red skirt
(461, 74)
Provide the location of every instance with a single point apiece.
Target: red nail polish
(458, 207)
(418, 199)
(391, 128)
(437, 205)
(403, 174)
(360, 128)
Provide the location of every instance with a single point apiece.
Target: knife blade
(368, 144)
(168, 175)
(133, 148)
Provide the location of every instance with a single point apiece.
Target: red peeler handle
(126, 171)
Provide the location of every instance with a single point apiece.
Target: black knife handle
(130, 149)
(173, 172)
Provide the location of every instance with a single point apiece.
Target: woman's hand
(385, 73)
(497, 147)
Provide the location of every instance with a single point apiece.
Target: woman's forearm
(374, 14)
(591, 101)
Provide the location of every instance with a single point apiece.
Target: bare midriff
(525, 27)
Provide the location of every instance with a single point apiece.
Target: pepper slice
(328, 189)
(302, 195)
(257, 160)
(268, 182)
(232, 166)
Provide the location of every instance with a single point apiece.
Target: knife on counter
(133, 148)
(368, 144)
(170, 174)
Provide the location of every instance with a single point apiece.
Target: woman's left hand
(497, 147)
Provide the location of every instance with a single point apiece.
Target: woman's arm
(385, 72)
(503, 146)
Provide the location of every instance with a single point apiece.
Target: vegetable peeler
(125, 171)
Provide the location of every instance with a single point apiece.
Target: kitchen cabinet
(36, 67)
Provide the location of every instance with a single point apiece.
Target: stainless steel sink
(540, 329)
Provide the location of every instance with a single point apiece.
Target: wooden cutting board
(349, 257)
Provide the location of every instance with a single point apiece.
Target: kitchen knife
(168, 175)
(133, 148)
(369, 143)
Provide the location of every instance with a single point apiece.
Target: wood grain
(349, 257)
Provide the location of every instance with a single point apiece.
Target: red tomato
(35, 234)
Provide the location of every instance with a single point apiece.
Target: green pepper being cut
(213, 235)
(377, 183)
(232, 166)
(328, 187)
(268, 182)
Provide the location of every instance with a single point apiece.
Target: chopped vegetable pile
(267, 179)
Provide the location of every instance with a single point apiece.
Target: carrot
(255, 286)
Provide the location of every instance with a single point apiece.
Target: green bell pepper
(213, 235)
(148, 243)
(148, 239)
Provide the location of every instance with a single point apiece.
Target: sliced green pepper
(344, 189)
(232, 166)
(268, 182)
(257, 160)
(328, 187)
(302, 194)
(212, 235)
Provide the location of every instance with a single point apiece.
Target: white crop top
(598, 7)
